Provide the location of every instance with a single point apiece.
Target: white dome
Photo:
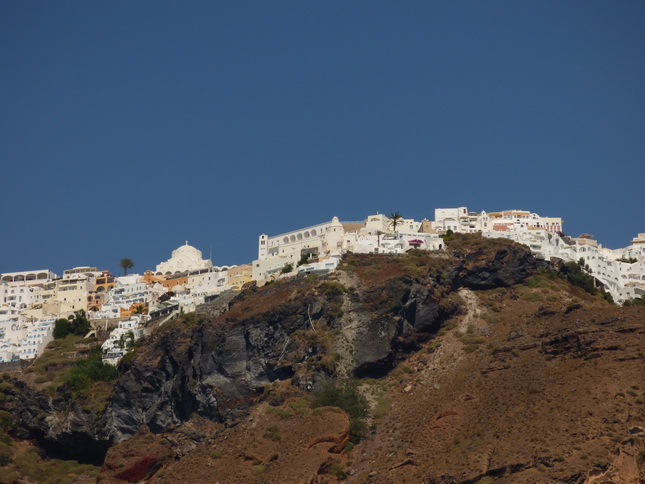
(184, 258)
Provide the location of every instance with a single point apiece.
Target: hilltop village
(119, 306)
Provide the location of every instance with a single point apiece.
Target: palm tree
(378, 237)
(395, 219)
(126, 264)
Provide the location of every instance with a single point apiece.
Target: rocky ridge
(377, 315)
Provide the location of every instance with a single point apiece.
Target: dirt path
(473, 312)
(447, 356)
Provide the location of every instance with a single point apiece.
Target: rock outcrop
(214, 366)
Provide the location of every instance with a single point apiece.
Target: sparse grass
(414, 262)
(311, 277)
(280, 412)
(401, 370)
(29, 464)
(382, 407)
(471, 339)
(332, 288)
(491, 317)
(301, 406)
(528, 294)
(273, 433)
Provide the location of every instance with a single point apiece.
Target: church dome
(184, 258)
(187, 250)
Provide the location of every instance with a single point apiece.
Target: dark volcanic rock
(499, 265)
(213, 371)
(62, 428)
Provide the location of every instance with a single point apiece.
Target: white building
(22, 290)
(332, 239)
(184, 259)
(461, 220)
(321, 267)
(23, 338)
(322, 240)
(520, 220)
(454, 219)
(121, 339)
(63, 296)
(128, 290)
(620, 271)
(205, 282)
(28, 277)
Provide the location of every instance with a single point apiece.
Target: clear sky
(127, 128)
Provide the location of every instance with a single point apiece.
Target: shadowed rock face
(214, 366)
(210, 370)
(64, 430)
(498, 266)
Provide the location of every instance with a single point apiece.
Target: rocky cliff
(433, 324)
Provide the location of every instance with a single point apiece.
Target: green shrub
(62, 327)
(639, 301)
(77, 324)
(337, 470)
(304, 259)
(288, 267)
(346, 396)
(575, 273)
(91, 370)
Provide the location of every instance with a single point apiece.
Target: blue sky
(127, 128)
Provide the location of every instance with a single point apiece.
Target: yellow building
(102, 284)
(240, 275)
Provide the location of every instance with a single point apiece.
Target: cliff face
(477, 366)
(214, 367)
(376, 314)
(379, 309)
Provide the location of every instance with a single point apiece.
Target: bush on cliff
(77, 324)
(346, 396)
(91, 370)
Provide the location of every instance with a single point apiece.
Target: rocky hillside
(472, 365)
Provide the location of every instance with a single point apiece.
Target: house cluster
(31, 301)
(318, 248)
